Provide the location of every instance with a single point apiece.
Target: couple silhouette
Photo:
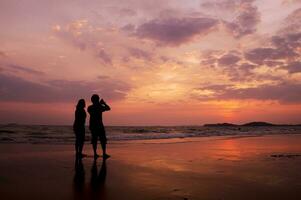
(95, 125)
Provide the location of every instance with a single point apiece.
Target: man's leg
(103, 141)
(104, 147)
(94, 144)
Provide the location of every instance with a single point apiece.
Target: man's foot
(96, 156)
(105, 156)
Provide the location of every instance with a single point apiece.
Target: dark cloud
(283, 92)
(106, 58)
(292, 23)
(128, 28)
(283, 48)
(228, 59)
(247, 66)
(174, 31)
(258, 55)
(140, 54)
(294, 67)
(24, 69)
(246, 21)
(287, 43)
(273, 63)
(14, 88)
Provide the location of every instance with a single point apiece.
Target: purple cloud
(140, 54)
(14, 88)
(174, 31)
(106, 58)
(127, 12)
(294, 67)
(283, 92)
(221, 4)
(24, 69)
(228, 59)
(258, 55)
(246, 21)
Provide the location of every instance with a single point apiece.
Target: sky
(171, 62)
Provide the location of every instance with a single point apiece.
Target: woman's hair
(81, 104)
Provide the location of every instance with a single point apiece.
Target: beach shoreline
(216, 167)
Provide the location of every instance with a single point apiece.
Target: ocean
(49, 134)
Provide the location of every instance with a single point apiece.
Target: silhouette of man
(96, 125)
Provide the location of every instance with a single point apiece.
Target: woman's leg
(82, 141)
(76, 145)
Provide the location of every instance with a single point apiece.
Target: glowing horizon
(172, 63)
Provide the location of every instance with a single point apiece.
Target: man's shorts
(98, 133)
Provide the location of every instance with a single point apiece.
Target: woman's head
(81, 104)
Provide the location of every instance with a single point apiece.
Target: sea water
(49, 134)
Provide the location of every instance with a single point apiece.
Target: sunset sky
(156, 62)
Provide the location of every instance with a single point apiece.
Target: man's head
(95, 99)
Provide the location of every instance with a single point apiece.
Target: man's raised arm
(105, 106)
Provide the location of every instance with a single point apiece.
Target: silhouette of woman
(79, 127)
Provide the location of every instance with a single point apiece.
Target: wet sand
(266, 167)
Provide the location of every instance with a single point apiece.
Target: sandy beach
(266, 167)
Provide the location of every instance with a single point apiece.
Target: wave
(40, 134)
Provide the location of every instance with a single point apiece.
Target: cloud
(284, 92)
(85, 37)
(13, 88)
(292, 21)
(128, 28)
(228, 59)
(140, 54)
(221, 4)
(127, 12)
(175, 31)
(24, 69)
(106, 58)
(282, 50)
(258, 55)
(246, 21)
(290, 1)
(75, 33)
(294, 67)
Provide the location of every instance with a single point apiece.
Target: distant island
(249, 124)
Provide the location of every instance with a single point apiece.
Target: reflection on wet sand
(98, 179)
(96, 188)
(79, 179)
